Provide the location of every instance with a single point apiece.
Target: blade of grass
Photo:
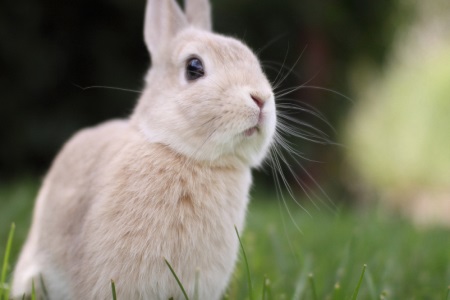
(33, 290)
(4, 289)
(197, 279)
(178, 280)
(302, 279)
(448, 293)
(370, 285)
(113, 290)
(313, 288)
(266, 289)
(355, 293)
(249, 279)
(337, 292)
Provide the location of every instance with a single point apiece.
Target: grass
(247, 269)
(4, 287)
(350, 254)
(177, 279)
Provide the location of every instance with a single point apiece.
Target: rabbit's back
(114, 206)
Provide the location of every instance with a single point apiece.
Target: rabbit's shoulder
(94, 143)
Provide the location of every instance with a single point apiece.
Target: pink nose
(258, 101)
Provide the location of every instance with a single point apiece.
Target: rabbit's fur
(171, 182)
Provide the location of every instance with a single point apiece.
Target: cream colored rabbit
(169, 183)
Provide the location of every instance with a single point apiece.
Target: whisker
(286, 145)
(281, 157)
(275, 82)
(192, 157)
(329, 90)
(106, 87)
(296, 103)
(277, 167)
(290, 90)
(330, 202)
(282, 79)
(209, 121)
(306, 190)
(283, 106)
(319, 133)
(270, 43)
(276, 66)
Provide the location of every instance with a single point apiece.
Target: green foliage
(4, 286)
(400, 135)
(16, 202)
(397, 260)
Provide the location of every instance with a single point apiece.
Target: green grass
(349, 254)
(4, 287)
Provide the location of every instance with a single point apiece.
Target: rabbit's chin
(245, 148)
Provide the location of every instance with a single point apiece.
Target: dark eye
(194, 69)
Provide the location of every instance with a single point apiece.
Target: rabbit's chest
(190, 224)
(175, 213)
(152, 211)
(200, 212)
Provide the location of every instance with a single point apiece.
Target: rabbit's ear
(198, 13)
(163, 20)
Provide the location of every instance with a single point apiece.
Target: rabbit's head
(206, 95)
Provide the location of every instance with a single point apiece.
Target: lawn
(324, 260)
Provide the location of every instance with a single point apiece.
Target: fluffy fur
(170, 182)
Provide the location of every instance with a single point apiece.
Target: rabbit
(169, 183)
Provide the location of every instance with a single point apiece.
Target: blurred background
(378, 71)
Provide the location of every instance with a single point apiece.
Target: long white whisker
(285, 144)
(276, 66)
(329, 90)
(287, 91)
(283, 159)
(279, 188)
(299, 182)
(330, 202)
(284, 107)
(277, 84)
(318, 133)
(271, 42)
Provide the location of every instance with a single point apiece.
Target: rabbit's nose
(258, 101)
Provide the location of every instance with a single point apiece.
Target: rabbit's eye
(194, 69)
